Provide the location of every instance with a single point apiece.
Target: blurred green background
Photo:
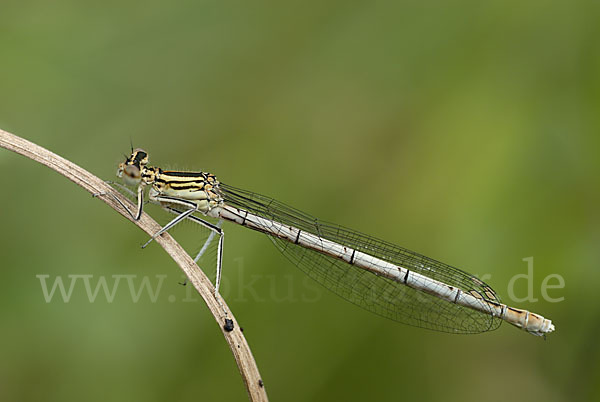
(464, 130)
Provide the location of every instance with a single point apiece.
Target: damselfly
(379, 276)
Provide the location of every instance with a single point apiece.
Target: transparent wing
(374, 293)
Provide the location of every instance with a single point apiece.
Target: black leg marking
(140, 200)
(111, 183)
(406, 276)
(297, 237)
(352, 257)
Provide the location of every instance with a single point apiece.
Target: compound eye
(131, 175)
(132, 172)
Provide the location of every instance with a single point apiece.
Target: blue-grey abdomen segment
(399, 298)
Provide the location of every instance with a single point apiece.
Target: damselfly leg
(166, 203)
(214, 231)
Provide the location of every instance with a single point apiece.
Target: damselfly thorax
(169, 187)
(201, 188)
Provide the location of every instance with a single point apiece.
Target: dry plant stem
(237, 343)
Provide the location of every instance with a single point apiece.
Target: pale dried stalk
(235, 338)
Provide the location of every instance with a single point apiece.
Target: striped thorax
(199, 187)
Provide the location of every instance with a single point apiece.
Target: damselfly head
(131, 170)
